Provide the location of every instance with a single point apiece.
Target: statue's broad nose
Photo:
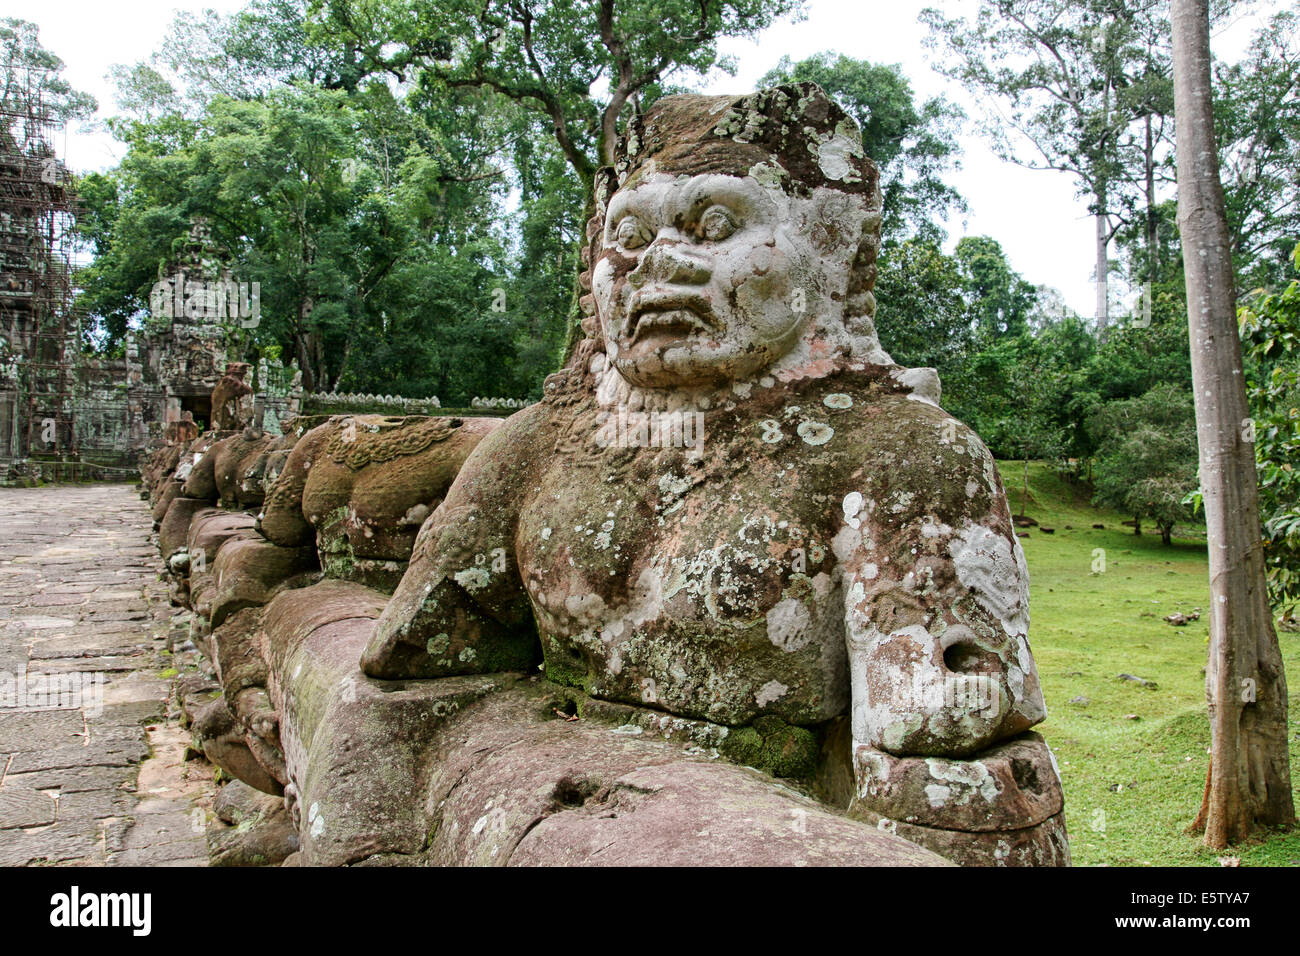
(669, 260)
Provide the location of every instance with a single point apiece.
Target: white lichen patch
(789, 625)
(932, 529)
(937, 795)
(852, 508)
(768, 175)
(770, 692)
(771, 431)
(964, 780)
(901, 502)
(317, 821)
(836, 153)
(838, 400)
(473, 579)
(815, 433)
(673, 486)
(994, 571)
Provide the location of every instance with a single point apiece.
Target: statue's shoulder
(516, 446)
(902, 449)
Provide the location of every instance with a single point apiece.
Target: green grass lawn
(1133, 759)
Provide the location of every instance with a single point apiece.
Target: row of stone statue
(802, 637)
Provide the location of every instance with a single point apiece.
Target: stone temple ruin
(574, 636)
(64, 414)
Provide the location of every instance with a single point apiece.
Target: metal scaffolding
(38, 324)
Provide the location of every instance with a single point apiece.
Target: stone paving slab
(92, 757)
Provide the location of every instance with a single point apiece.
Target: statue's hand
(936, 621)
(460, 608)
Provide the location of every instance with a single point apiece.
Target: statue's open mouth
(668, 316)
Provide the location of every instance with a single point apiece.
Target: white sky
(1044, 228)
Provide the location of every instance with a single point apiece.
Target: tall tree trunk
(1103, 270)
(1149, 161)
(1250, 780)
(305, 363)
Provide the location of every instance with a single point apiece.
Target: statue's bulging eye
(716, 224)
(632, 233)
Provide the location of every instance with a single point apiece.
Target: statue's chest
(670, 546)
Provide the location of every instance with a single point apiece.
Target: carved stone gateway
(733, 528)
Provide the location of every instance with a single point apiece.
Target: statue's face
(696, 280)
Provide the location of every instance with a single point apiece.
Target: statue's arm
(461, 607)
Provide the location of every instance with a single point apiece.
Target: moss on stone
(772, 745)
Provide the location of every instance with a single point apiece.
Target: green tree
(1085, 83)
(1030, 431)
(1270, 331)
(579, 65)
(1000, 300)
(1257, 125)
(366, 220)
(32, 72)
(1146, 456)
(922, 316)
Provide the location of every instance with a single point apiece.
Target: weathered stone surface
(513, 787)
(232, 472)
(195, 468)
(237, 802)
(685, 814)
(68, 779)
(260, 832)
(209, 531)
(223, 743)
(265, 843)
(20, 807)
(87, 634)
(365, 484)
(495, 763)
(249, 572)
(109, 750)
(1008, 787)
(1044, 844)
(40, 729)
(237, 652)
(174, 530)
(232, 398)
(51, 844)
